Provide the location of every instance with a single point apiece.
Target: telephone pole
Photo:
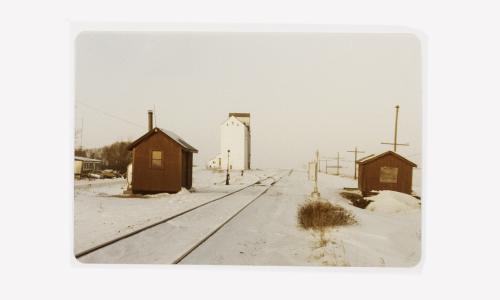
(395, 143)
(325, 159)
(356, 151)
(338, 166)
(315, 194)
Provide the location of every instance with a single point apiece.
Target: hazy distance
(305, 91)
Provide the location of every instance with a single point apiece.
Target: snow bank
(392, 202)
(183, 191)
(86, 183)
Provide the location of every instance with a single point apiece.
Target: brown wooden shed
(386, 171)
(162, 162)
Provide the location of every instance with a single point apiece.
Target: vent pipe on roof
(150, 120)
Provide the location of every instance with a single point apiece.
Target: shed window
(388, 175)
(156, 159)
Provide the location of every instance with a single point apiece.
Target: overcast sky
(304, 91)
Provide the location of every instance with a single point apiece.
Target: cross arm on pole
(405, 144)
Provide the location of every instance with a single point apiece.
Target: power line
(109, 115)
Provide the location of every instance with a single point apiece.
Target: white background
(461, 249)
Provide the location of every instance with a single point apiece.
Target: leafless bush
(319, 215)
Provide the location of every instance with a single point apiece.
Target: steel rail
(122, 237)
(179, 259)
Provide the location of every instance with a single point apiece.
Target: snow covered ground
(169, 241)
(387, 232)
(92, 182)
(103, 214)
(266, 233)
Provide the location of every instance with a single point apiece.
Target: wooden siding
(369, 175)
(154, 180)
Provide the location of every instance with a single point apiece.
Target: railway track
(153, 243)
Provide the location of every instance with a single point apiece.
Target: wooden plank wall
(149, 180)
(369, 175)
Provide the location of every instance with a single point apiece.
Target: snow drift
(392, 202)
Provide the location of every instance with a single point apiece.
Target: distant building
(386, 171)
(162, 162)
(235, 136)
(85, 165)
(215, 163)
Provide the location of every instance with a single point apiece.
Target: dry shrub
(319, 215)
(356, 199)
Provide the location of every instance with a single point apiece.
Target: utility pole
(326, 164)
(338, 166)
(315, 194)
(356, 151)
(227, 169)
(326, 160)
(395, 143)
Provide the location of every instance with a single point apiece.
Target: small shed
(162, 162)
(386, 171)
(85, 165)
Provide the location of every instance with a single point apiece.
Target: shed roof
(365, 157)
(169, 134)
(373, 158)
(86, 159)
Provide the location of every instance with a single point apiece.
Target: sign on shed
(388, 175)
